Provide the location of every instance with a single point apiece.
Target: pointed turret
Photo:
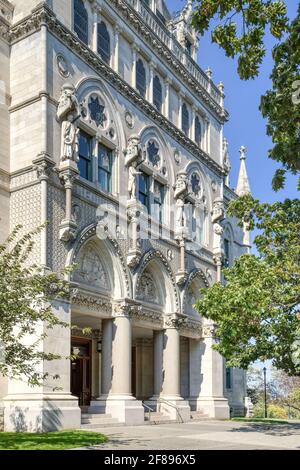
(243, 185)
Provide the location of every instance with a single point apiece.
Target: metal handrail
(162, 400)
(150, 410)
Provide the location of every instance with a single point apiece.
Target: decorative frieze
(93, 302)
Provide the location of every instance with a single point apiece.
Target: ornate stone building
(112, 133)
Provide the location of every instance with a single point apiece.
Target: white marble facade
(111, 132)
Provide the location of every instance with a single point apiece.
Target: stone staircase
(98, 420)
(156, 417)
(199, 416)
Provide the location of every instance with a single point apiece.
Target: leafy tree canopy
(25, 310)
(240, 31)
(256, 311)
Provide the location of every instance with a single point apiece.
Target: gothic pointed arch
(100, 264)
(155, 283)
(195, 282)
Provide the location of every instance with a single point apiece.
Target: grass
(50, 441)
(261, 420)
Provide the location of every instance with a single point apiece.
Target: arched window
(226, 253)
(185, 120)
(198, 131)
(157, 93)
(81, 26)
(141, 78)
(103, 42)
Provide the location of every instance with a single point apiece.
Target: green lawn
(49, 441)
(261, 420)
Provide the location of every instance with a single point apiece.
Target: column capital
(174, 321)
(43, 165)
(117, 29)
(152, 65)
(168, 81)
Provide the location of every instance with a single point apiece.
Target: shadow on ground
(269, 429)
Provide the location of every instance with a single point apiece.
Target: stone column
(158, 348)
(43, 164)
(196, 351)
(50, 405)
(116, 49)
(211, 400)
(96, 20)
(120, 403)
(135, 49)
(193, 126)
(106, 359)
(167, 98)
(180, 101)
(171, 401)
(151, 82)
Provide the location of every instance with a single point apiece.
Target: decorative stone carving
(147, 289)
(226, 159)
(217, 216)
(68, 112)
(93, 302)
(129, 119)
(133, 157)
(91, 270)
(181, 191)
(62, 65)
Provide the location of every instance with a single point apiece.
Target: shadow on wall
(44, 419)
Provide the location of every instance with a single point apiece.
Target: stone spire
(243, 185)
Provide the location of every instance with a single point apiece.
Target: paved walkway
(203, 435)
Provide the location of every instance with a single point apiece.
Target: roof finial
(243, 185)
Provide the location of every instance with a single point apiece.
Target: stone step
(95, 415)
(112, 423)
(157, 418)
(198, 415)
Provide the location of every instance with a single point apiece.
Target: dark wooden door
(81, 372)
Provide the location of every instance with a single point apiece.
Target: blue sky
(246, 126)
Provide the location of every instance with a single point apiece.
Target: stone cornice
(135, 20)
(42, 15)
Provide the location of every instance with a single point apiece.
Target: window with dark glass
(105, 162)
(81, 26)
(141, 78)
(226, 253)
(228, 377)
(159, 196)
(144, 190)
(153, 153)
(198, 131)
(185, 120)
(103, 42)
(188, 46)
(85, 156)
(157, 93)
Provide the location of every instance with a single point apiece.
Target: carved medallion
(62, 65)
(129, 119)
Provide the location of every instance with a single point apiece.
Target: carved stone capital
(67, 231)
(43, 165)
(208, 330)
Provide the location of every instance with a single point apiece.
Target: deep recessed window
(85, 156)
(226, 253)
(228, 377)
(153, 153)
(81, 26)
(185, 120)
(188, 46)
(141, 78)
(144, 190)
(103, 43)
(159, 196)
(105, 162)
(157, 93)
(198, 131)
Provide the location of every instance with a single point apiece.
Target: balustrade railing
(171, 42)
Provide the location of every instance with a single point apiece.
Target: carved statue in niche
(180, 194)
(133, 158)
(218, 212)
(68, 112)
(132, 180)
(226, 159)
